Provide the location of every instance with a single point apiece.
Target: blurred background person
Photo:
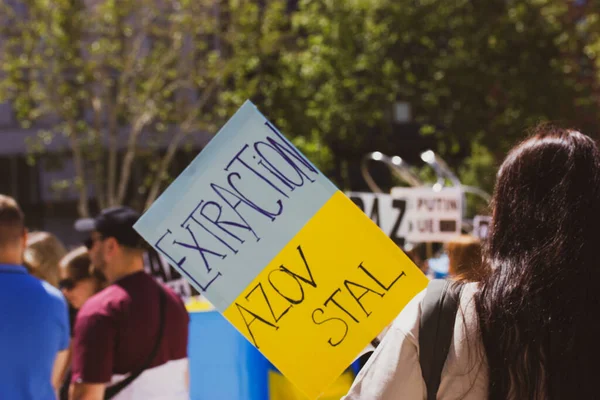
(78, 279)
(78, 282)
(415, 255)
(44, 251)
(34, 333)
(126, 315)
(464, 259)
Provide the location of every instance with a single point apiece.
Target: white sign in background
(414, 214)
(481, 224)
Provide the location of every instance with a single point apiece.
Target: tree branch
(136, 130)
(82, 205)
(98, 170)
(186, 128)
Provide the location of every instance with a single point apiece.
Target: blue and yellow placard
(287, 258)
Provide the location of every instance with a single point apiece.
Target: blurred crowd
(89, 322)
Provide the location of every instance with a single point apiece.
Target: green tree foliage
(126, 82)
(327, 72)
(477, 75)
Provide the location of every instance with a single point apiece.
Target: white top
(394, 372)
(164, 382)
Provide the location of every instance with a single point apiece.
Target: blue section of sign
(223, 364)
(241, 200)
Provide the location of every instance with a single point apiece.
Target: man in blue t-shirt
(34, 322)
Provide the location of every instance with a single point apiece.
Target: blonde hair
(42, 255)
(465, 262)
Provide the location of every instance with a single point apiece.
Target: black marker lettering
(273, 171)
(200, 249)
(242, 197)
(331, 319)
(220, 192)
(301, 174)
(199, 286)
(245, 164)
(184, 225)
(289, 149)
(276, 319)
(386, 288)
(347, 283)
(217, 220)
(331, 298)
(164, 253)
(254, 318)
(310, 280)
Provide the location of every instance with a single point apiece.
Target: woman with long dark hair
(529, 329)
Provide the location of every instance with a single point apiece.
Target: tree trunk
(80, 183)
(136, 130)
(111, 184)
(99, 183)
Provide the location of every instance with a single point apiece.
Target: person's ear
(24, 237)
(111, 245)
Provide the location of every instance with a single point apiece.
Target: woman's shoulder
(409, 319)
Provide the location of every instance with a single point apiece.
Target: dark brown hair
(538, 308)
(78, 265)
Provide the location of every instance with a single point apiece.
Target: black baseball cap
(116, 222)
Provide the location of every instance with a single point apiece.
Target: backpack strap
(438, 313)
(113, 390)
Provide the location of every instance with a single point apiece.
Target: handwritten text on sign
(287, 258)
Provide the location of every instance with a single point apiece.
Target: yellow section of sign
(326, 295)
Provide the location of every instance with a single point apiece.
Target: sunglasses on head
(67, 284)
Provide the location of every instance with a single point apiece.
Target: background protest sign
(287, 258)
(159, 268)
(481, 224)
(417, 214)
(388, 212)
(432, 215)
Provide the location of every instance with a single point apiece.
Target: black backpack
(438, 313)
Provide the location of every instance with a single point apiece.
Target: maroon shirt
(117, 329)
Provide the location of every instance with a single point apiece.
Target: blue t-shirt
(34, 326)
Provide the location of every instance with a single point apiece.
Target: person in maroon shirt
(118, 332)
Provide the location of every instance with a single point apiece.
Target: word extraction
(255, 183)
(270, 301)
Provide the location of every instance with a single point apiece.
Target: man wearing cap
(34, 319)
(130, 339)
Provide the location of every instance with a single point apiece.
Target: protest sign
(159, 269)
(417, 214)
(481, 224)
(287, 258)
(432, 215)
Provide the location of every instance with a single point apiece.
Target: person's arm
(393, 371)
(63, 356)
(59, 371)
(93, 347)
(187, 377)
(86, 391)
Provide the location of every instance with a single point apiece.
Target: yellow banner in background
(326, 295)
